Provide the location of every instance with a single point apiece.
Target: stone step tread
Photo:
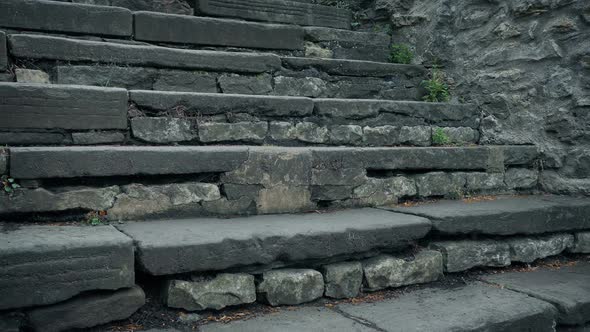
(206, 244)
(353, 67)
(321, 34)
(567, 288)
(505, 215)
(474, 307)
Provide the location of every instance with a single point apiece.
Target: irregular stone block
(243, 206)
(581, 243)
(254, 132)
(237, 191)
(93, 137)
(189, 81)
(284, 199)
(3, 52)
(462, 255)
(440, 184)
(521, 178)
(30, 138)
(248, 85)
(31, 76)
(386, 271)
(459, 135)
(282, 131)
(355, 68)
(354, 45)
(283, 11)
(3, 161)
(343, 280)
(477, 182)
(299, 86)
(291, 286)
(417, 136)
(222, 291)
(63, 262)
(346, 134)
(381, 136)
(153, 27)
(163, 130)
(528, 250)
(58, 48)
(87, 310)
(313, 50)
(330, 193)
(57, 16)
(386, 191)
(164, 6)
(62, 107)
(338, 177)
(311, 133)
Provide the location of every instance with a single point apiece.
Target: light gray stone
(462, 255)
(87, 310)
(299, 86)
(521, 178)
(528, 250)
(254, 132)
(418, 135)
(346, 134)
(291, 286)
(260, 84)
(381, 136)
(311, 133)
(313, 50)
(581, 243)
(222, 291)
(284, 199)
(344, 44)
(282, 131)
(236, 191)
(31, 76)
(94, 137)
(459, 135)
(386, 271)
(163, 130)
(342, 280)
(384, 191)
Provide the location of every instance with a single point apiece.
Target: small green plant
(8, 184)
(437, 88)
(401, 53)
(439, 137)
(96, 218)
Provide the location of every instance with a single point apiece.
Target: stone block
(3, 52)
(357, 68)
(381, 136)
(185, 81)
(217, 293)
(346, 135)
(253, 132)
(417, 136)
(284, 199)
(342, 280)
(163, 130)
(31, 76)
(581, 243)
(163, 6)
(338, 177)
(330, 193)
(528, 250)
(462, 255)
(248, 85)
(521, 178)
(32, 138)
(299, 86)
(440, 184)
(282, 131)
(236, 191)
(291, 286)
(3, 161)
(384, 191)
(65, 261)
(459, 135)
(243, 206)
(97, 137)
(311, 133)
(482, 182)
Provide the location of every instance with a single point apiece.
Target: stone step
(506, 215)
(218, 244)
(283, 11)
(346, 44)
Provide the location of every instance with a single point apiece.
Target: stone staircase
(261, 152)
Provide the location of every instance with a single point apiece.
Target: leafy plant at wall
(439, 137)
(437, 88)
(8, 184)
(401, 53)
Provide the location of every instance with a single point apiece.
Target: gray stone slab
(47, 264)
(57, 16)
(3, 52)
(302, 319)
(29, 138)
(506, 215)
(567, 288)
(58, 48)
(319, 34)
(284, 11)
(346, 44)
(354, 67)
(62, 107)
(474, 307)
(95, 138)
(213, 103)
(56, 162)
(154, 27)
(163, 6)
(216, 244)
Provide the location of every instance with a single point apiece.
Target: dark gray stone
(10, 322)
(283, 11)
(3, 52)
(521, 178)
(50, 162)
(566, 288)
(210, 104)
(290, 286)
(87, 310)
(299, 86)
(94, 137)
(253, 132)
(164, 6)
(506, 215)
(330, 193)
(310, 132)
(183, 29)
(63, 262)
(265, 239)
(63, 107)
(416, 135)
(163, 130)
(381, 136)
(249, 85)
(342, 280)
(3, 161)
(346, 135)
(237, 191)
(356, 45)
(58, 48)
(30, 138)
(66, 17)
(581, 243)
(528, 250)
(354, 67)
(440, 184)
(384, 191)
(460, 135)
(462, 255)
(474, 307)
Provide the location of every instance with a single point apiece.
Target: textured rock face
(528, 250)
(222, 291)
(164, 6)
(162, 130)
(343, 280)
(291, 286)
(463, 255)
(582, 243)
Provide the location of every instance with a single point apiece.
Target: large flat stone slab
(184, 29)
(58, 16)
(178, 246)
(284, 11)
(474, 307)
(66, 162)
(58, 48)
(62, 106)
(506, 215)
(353, 67)
(567, 288)
(42, 265)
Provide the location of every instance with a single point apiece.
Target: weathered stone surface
(29, 138)
(163, 130)
(3, 52)
(528, 250)
(66, 17)
(217, 244)
(58, 48)
(87, 310)
(284, 199)
(482, 182)
(581, 243)
(459, 135)
(566, 288)
(381, 136)
(353, 67)
(154, 27)
(462, 255)
(506, 215)
(468, 308)
(253, 132)
(236, 191)
(299, 86)
(346, 134)
(291, 286)
(223, 207)
(521, 178)
(417, 136)
(65, 261)
(31, 76)
(311, 133)
(282, 131)
(222, 291)
(284, 11)
(164, 6)
(49, 162)
(10, 323)
(440, 184)
(3, 161)
(330, 193)
(384, 191)
(63, 107)
(342, 280)
(94, 137)
(338, 177)
(248, 85)
(210, 104)
(313, 50)
(355, 45)
(386, 271)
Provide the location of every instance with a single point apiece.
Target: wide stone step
(178, 246)
(346, 44)
(506, 215)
